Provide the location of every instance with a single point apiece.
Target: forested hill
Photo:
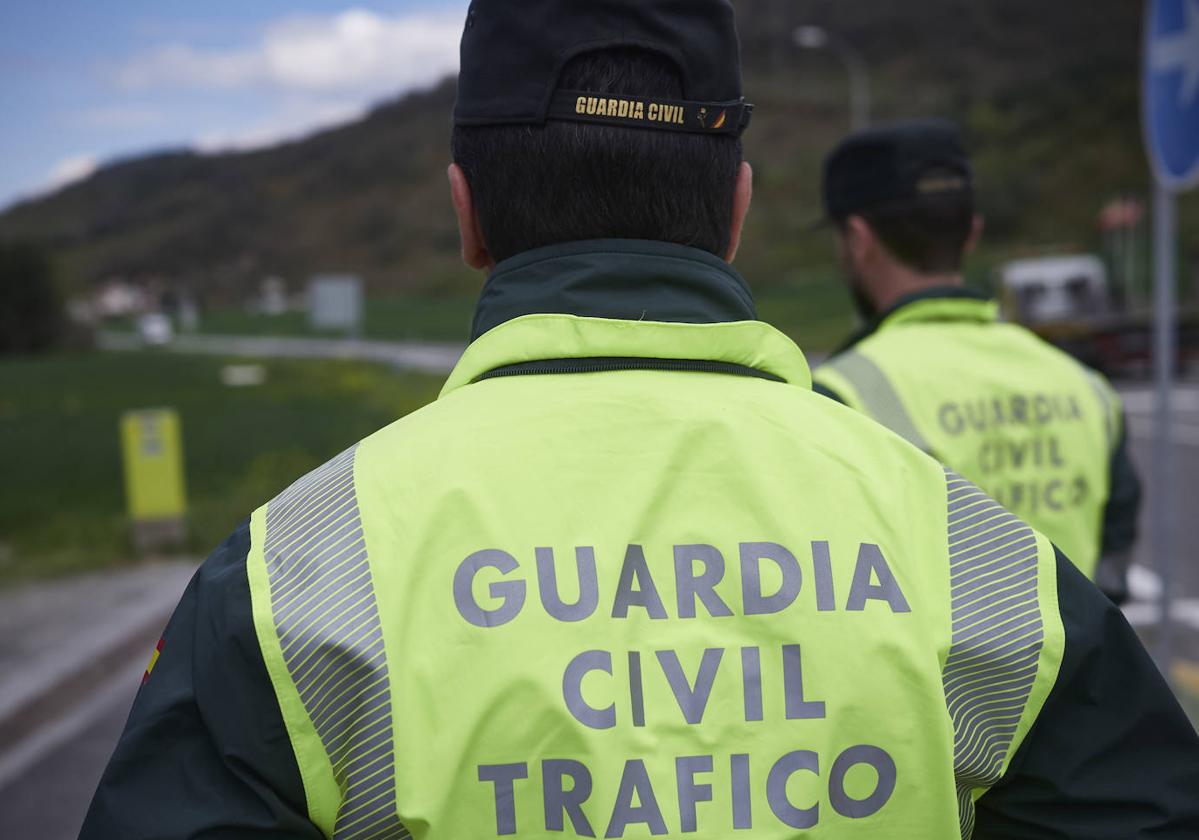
(1047, 92)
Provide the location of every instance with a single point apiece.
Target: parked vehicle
(1068, 301)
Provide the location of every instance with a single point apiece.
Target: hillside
(1046, 91)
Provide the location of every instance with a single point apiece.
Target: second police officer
(1032, 427)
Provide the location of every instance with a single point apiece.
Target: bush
(31, 318)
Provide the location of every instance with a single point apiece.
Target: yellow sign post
(152, 449)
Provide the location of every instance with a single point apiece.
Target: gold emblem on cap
(931, 184)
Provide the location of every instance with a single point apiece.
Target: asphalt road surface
(1185, 527)
(423, 357)
(49, 800)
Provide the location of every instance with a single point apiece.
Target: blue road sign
(1172, 91)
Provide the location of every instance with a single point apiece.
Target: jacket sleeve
(1119, 522)
(1123, 502)
(1112, 756)
(205, 752)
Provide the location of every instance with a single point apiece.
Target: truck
(1068, 301)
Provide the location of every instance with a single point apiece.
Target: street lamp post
(819, 38)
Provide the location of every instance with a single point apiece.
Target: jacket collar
(622, 299)
(629, 280)
(942, 303)
(948, 304)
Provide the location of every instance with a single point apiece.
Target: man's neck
(903, 283)
(618, 279)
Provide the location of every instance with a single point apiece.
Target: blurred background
(227, 252)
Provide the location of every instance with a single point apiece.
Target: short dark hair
(928, 235)
(564, 182)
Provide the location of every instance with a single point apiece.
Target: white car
(1055, 289)
(155, 329)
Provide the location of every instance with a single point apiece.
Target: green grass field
(62, 503)
(62, 498)
(386, 319)
(815, 311)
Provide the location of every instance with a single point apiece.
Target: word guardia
(1023, 448)
(984, 414)
(698, 570)
(630, 109)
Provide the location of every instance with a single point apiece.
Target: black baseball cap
(895, 165)
(513, 52)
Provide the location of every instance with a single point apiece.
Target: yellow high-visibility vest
(1024, 421)
(642, 603)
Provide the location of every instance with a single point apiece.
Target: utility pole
(860, 96)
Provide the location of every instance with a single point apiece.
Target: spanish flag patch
(153, 661)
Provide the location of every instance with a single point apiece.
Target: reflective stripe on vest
(323, 602)
(997, 636)
(881, 401)
(1111, 406)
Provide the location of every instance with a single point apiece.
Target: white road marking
(1143, 584)
(1146, 587)
(1185, 612)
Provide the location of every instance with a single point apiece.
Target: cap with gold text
(896, 165)
(513, 52)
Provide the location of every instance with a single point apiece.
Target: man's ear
(976, 234)
(861, 244)
(474, 248)
(743, 196)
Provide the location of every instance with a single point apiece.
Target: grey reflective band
(323, 601)
(997, 637)
(719, 118)
(879, 397)
(1107, 402)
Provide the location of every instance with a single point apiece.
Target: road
(48, 800)
(421, 357)
(1185, 531)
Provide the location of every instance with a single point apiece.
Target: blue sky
(83, 82)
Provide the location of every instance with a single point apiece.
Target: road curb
(56, 698)
(80, 632)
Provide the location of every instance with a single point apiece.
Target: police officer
(629, 576)
(1037, 431)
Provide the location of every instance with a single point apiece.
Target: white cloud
(356, 51)
(70, 170)
(294, 118)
